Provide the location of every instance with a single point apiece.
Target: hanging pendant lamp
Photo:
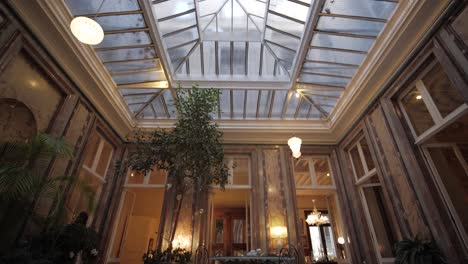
(87, 30)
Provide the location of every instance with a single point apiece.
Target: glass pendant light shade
(295, 145)
(87, 30)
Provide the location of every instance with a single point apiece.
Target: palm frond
(16, 183)
(53, 146)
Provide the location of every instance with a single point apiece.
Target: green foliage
(418, 252)
(193, 149)
(178, 255)
(21, 165)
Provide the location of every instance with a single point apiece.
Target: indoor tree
(192, 152)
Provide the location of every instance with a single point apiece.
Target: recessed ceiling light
(87, 30)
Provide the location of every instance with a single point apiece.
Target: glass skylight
(210, 39)
(244, 44)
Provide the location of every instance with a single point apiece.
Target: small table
(252, 259)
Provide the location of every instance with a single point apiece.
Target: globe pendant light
(295, 145)
(87, 30)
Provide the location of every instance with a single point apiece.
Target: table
(252, 259)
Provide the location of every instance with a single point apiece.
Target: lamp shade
(87, 30)
(295, 145)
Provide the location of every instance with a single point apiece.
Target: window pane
(302, 172)
(158, 176)
(380, 220)
(91, 150)
(241, 171)
(454, 178)
(104, 159)
(317, 248)
(367, 154)
(328, 236)
(417, 112)
(356, 160)
(135, 178)
(322, 171)
(460, 26)
(446, 97)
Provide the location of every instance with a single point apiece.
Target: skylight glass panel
(177, 23)
(239, 58)
(121, 22)
(168, 101)
(178, 54)
(132, 91)
(335, 56)
(133, 66)
(138, 99)
(286, 41)
(159, 108)
(290, 8)
(238, 97)
(323, 80)
(363, 8)
(251, 105)
(225, 104)
(125, 39)
(334, 69)
(285, 24)
(254, 58)
(264, 103)
(175, 38)
(82, 7)
(126, 54)
(209, 57)
(139, 77)
(304, 110)
(292, 106)
(350, 26)
(146, 113)
(134, 107)
(195, 62)
(278, 103)
(341, 42)
(169, 8)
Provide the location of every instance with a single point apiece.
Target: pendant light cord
(99, 9)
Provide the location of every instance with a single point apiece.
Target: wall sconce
(341, 242)
(279, 233)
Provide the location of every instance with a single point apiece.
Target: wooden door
(229, 229)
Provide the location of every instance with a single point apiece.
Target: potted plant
(418, 252)
(192, 152)
(177, 255)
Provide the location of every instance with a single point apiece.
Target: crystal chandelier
(316, 218)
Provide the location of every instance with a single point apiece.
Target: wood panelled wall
(73, 118)
(416, 208)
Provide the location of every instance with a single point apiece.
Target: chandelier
(316, 218)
